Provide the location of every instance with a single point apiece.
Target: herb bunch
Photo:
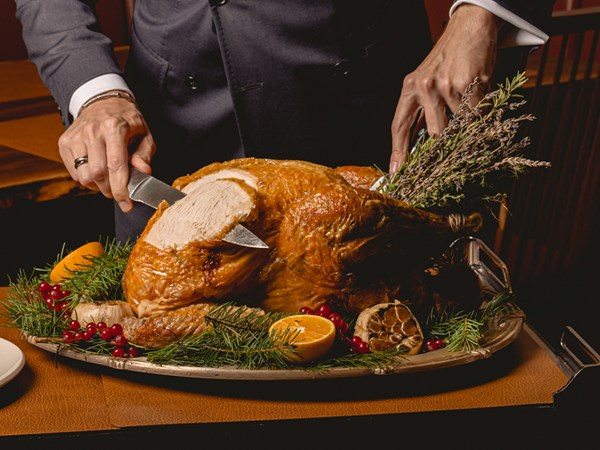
(478, 146)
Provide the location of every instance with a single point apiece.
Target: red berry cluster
(114, 335)
(53, 296)
(434, 343)
(355, 343)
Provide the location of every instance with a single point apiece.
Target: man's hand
(466, 50)
(105, 132)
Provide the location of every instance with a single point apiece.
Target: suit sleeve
(536, 12)
(64, 42)
(525, 20)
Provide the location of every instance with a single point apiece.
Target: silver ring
(80, 161)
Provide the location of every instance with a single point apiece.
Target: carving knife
(151, 191)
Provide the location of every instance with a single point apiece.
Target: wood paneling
(554, 212)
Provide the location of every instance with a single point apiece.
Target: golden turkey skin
(331, 240)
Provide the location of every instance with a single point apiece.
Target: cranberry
(323, 311)
(337, 320)
(355, 340)
(44, 288)
(306, 310)
(68, 336)
(120, 340)
(343, 327)
(49, 302)
(116, 329)
(105, 334)
(430, 345)
(60, 306)
(74, 325)
(101, 325)
(78, 336)
(362, 348)
(133, 352)
(118, 352)
(55, 294)
(88, 335)
(439, 343)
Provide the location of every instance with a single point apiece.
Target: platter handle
(480, 257)
(581, 362)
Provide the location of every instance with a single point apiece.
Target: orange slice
(77, 260)
(311, 336)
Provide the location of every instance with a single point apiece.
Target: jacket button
(218, 2)
(192, 83)
(341, 69)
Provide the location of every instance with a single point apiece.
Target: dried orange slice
(311, 336)
(77, 260)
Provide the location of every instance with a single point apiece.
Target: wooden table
(61, 401)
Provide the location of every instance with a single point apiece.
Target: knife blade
(151, 191)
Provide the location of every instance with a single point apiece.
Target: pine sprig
(101, 280)
(232, 318)
(235, 336)
(478, 146)
(25, 307)
(239, 336)
(465, 330)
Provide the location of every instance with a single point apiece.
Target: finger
(142, 156)
(117, 159)
(96, 168)
(477, 95)
(406, 113)
(453, 100)
(434, 109)
(66, 154)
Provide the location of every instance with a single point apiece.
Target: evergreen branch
(25, 307)
(464, 330)
(101, 280)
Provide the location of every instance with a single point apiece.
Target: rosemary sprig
(478, 146)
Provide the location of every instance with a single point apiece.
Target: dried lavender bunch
(477, 147)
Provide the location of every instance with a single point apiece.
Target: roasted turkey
(331, 240)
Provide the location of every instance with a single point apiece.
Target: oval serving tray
(506, 331)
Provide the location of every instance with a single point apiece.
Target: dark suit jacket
(300, 79)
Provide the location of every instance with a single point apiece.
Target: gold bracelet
(110, 94)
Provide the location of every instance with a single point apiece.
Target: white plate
(12, 361)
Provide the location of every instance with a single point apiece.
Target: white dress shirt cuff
(522, 33)
(98, 85)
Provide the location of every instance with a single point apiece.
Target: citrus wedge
(77, 260)
(311, 336)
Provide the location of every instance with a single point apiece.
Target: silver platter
(498, 336)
